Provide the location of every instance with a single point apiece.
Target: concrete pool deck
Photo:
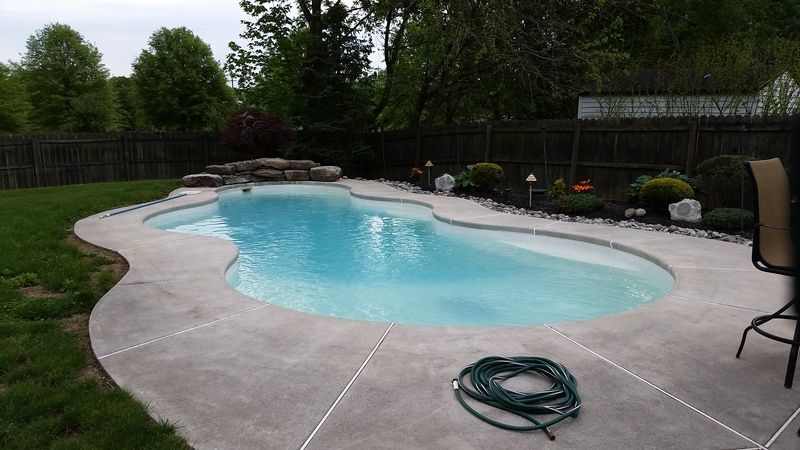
(234, 372)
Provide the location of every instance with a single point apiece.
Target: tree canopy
(179, 84)
(14, 106)
(66, 82)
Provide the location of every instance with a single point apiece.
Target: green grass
(46, 400)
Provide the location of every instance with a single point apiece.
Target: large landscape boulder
(445, 183)
(686, 210)
(239, 178)
(245, 166)
(296, 175)
(220, 169)
(202, 180)
(302, 164)
(268, 175)
(273, 163)
(325, 173)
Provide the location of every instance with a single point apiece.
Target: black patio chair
(772, 246)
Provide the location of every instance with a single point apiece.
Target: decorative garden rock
(630, 212)
(268, 174)
(220, 169)
(302, 164)
(640, 212)
(325, 173)
(273, 163)
(237, 179)
(202, 180)
(245, 166)
(686, 210)
(445, 183)
(296, 175)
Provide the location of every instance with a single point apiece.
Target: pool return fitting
(161, 200)
(561, 398)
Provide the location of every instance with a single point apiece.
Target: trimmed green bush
(661, 192)
(580, 203)
(728, 218)
(722, 178)
(632, 191)
(486, 176)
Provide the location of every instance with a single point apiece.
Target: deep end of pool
(320, 250)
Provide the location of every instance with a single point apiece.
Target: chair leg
(744, 336)
(793, 357)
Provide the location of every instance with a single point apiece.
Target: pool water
(319, 250)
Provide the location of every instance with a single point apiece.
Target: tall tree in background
(179, 84)
(66, 82)
(14, 106)
(129, 111)
(308, 66)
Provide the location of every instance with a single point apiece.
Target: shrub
(558, 190)
(632, 191)
(580, 203)
(254, 133)
(464, 179)
(486, 176)
(722, 177)
(728, 218)
(663, 191)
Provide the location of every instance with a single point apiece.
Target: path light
(429, 164)
(531, 179)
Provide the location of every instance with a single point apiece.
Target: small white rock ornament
(445, 183)
(686, 210)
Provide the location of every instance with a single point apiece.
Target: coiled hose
(485, 376)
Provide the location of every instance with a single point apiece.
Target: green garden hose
(561, 398)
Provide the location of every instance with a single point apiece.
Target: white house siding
(632, 106)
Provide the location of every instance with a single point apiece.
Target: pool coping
(175, 292)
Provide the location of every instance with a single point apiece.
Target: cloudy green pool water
(319, 250)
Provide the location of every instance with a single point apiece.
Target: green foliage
(486, 176)
(129, 111)
(728, 218)
(464, 179)
(579, 203)
(309, 67)
(14, 105)
(46, 401)
(722, 178)
(558, 190)
(663, 191)
(67, 82)
(179, 84)
(632, 191)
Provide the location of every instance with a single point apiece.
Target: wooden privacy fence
(28, 161)
(612, 153)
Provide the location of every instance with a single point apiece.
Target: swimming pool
(320, 250)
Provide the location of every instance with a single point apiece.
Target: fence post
(206, 149)
(576, 146)
(126, 153)
(487, 146)
(418, 147)
(38, 164)
(691, 148)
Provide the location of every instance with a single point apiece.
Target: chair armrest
(772, 227)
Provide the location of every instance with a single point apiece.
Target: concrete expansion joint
(692, 299)
(656, 387)
(177, 237)
(347, 387)
(186, 330)
(782, 428)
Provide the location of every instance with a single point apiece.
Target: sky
(120, 28)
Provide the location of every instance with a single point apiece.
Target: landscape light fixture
(531, 179)
(429, 164)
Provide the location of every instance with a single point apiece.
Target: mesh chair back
(772, 241)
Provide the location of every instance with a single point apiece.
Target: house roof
(663, 81)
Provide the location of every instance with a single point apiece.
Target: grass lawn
(51, 391)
